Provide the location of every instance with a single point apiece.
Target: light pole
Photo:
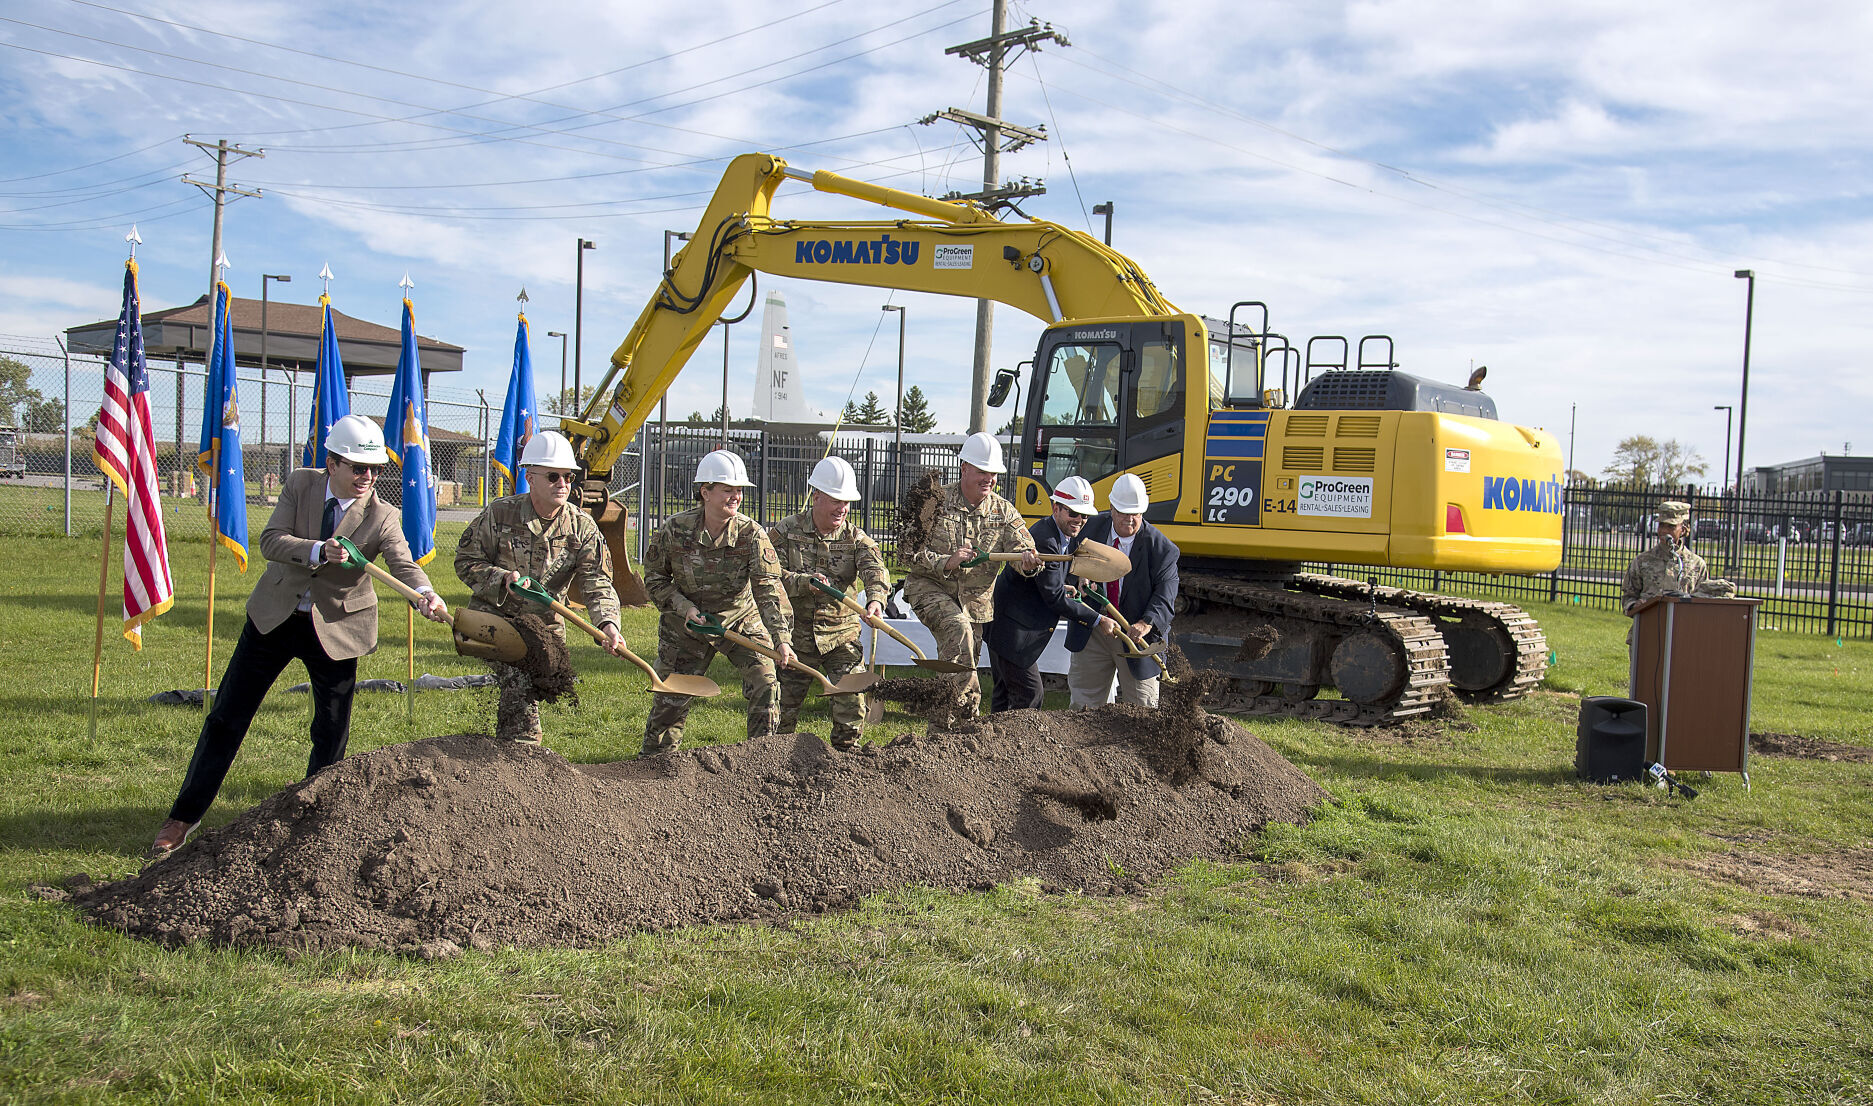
(1106, 210)
(578, 312)
(726, 323)
(1573, 410)
(292, 391)
(1727, 409)
(1742, 411)
(663, 402)
(897, 454)
(561, 335)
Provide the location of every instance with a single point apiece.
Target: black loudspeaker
(1610, 744)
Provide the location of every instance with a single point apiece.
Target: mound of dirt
(1808, 748)
(465, 841)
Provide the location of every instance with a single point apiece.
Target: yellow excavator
(1258, 458)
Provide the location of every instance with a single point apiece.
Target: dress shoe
(171, 837)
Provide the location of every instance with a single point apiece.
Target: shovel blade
(487, 637)
(874, 711)
(700, 687)
(1101, 564)
(853, 684)
(935, 665)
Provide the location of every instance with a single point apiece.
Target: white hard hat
(982, 450)
(834, 476)
(357, 439)
(548, 449)
(1129, 496)
(1074, 494)
(722, 466)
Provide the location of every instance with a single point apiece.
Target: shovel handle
(354, 558)
(984, 558)
(874, 623)
(715, 628)
(528, 588)
(1135, 646)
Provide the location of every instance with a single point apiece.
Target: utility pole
(218, 192)
(995, 136)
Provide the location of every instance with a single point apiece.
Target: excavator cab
(1108, 398)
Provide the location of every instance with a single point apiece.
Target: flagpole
(409, 685)
(214, 540)
(104, 581)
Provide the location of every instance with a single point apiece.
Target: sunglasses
(553, 477)
(367, 470)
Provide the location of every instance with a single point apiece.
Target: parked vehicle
(12, 460)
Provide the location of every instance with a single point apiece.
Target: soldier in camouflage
(823, 543)
(536, 534)
(955, 603)
(1669, 567)
(715, 561)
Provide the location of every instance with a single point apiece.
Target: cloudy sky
(1560, 192)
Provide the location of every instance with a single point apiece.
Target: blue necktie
(330, 524)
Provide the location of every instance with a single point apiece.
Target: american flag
(126, 451)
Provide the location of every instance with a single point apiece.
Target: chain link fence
(50, 484)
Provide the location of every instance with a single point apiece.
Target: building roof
(1822, 460)
(292, 338)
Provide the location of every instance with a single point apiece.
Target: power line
(91, 164)
(501, 127)
(1621, 235)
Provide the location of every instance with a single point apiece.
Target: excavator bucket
(614, 522)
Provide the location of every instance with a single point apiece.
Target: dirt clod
(465, 842)
(923, 697)
(916, 510)
(548, 662)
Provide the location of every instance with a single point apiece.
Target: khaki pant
(680, 651)
(1090, 674)
(838, 662)
(958, 639)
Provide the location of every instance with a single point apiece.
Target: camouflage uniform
(1664, 568)
(955, 607)
(736, 579)
(510, 536)
(1667, 567)
(825, 631)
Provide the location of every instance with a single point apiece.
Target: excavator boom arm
(1050, 271)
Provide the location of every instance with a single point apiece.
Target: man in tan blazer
(306, 607)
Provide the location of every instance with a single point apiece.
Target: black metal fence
(1807, 555)
(779, 465)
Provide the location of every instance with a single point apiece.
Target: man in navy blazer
(1028, 607)
(1144, 599)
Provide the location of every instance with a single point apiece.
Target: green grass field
(1464, 923)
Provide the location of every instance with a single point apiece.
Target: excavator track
(1497, 652)
(1404, 648)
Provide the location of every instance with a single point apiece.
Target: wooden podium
(1692, 661)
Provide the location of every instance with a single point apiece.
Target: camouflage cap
(1673, 513)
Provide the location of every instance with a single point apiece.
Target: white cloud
(1578, 181)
